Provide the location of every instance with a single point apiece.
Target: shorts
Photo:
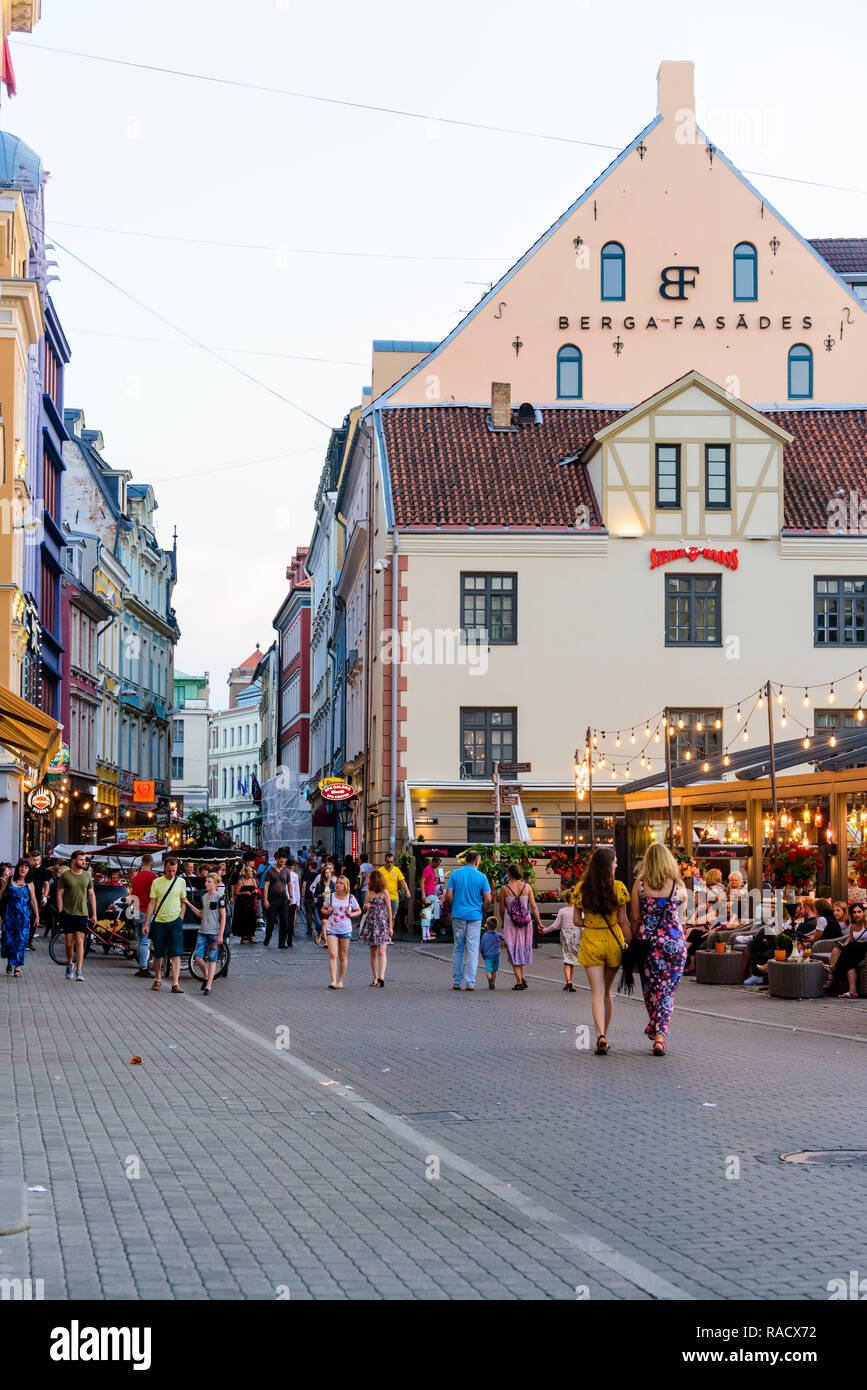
(207, 944)
(601, 947)
(492, 964)
(69, 923)
(342, 935)
(168, 938)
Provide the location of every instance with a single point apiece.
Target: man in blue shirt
(468, 899)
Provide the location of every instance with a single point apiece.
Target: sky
(283, 234)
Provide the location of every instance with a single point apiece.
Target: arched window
(613, 261)
(745, 271)
(569, 373)
(800, 373)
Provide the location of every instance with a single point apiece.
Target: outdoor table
(799, 980)
(719, 967)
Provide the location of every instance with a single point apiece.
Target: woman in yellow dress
(600, 909)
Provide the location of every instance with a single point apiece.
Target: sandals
(602, 1045)
(17, 972)
(569, 988)
(659, 1048)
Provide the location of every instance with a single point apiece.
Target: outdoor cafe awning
(26, 731)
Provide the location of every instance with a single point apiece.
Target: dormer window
(745, 272)
(613, 261)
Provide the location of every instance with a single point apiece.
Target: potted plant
(717, 942)
(783, 947)
(795, 866)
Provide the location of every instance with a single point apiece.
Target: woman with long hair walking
(17, 904)
(338, 914)
(658, 898)
(377, 929)
(518, 911)
(600, 911)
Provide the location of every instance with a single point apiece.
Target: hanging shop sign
(335, 789)
(728, 558)
(60, 761)
(144, 791)
(41, 800)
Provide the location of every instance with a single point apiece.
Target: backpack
(519, 909)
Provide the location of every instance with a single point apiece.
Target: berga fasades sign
(674, 282)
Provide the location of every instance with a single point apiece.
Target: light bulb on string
(699, 726)
(617, 740)
(806, 700)
(746, 735)
(761, 702)
(860, 681)
(626, 772)
(859, 715)
(784, 721)
(656, 737)
(806, 742)
(831, 696)
(717, 723)
(705, 767)
(726, 760)
(632, 737)
(833, 740)
(738, 714)
(680, 723)
(647, 731)
(687, 755)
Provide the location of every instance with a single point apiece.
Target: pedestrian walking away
(163, 916)
(600, 902)
(658, 901)
(76, 903)
(212, 929)
(397, 889)
(17, 904)
(468, 899)
(377, 929)
(518, 911)
(489, 946)
(570, 941)
(140, 888)
(339, 911)
(246, 898)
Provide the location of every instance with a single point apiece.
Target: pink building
(292, 623)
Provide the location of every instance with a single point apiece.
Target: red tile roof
(449, 469)
(845, 254)
(252, 660)
(828, 453)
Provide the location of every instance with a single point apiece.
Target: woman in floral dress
(377, 929)
(518, 911)
(658, 898)
(16, 905)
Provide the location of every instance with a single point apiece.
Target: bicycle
(117, 935)
(197, 964)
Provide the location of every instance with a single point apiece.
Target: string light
(806, 742)
(617, 740)
(632, 739)
(717, 723)
(746, 735)
(738, 714)
(860, 681)
(647, 731)
(699, 726)
(806, 700)
(859, 714)
(780, 696)
(726, 760)
(687, 755)
(761, 702)
(831, 696)
(705, 767)
(679, 724)
(833, 740)
(784, 721)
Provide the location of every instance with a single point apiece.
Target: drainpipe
(368, 652)
(395, 678)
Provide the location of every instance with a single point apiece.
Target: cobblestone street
(303, 1163)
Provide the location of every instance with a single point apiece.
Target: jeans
(278, 911)
(142, 944)
(466, 957)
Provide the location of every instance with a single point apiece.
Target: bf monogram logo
(674, 282)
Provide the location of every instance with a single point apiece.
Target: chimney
(501, 405)
(675, 89)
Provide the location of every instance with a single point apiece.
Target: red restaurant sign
(729, 558)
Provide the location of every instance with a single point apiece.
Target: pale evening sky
(234, 467)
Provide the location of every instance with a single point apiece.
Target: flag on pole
(7, 72)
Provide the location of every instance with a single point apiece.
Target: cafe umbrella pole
(590, 793)
(668, 778)
(772, 760)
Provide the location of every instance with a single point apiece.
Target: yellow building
(28, 736)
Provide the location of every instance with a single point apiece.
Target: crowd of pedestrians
(604, 927)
